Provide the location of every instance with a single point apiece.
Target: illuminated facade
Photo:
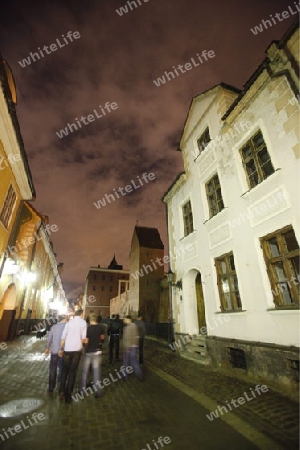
(29, 276)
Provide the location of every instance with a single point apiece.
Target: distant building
(146, 272)
(101, 285)
(237, 204)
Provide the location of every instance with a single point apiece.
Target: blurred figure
(130, 346)
(142, 333)
(53, 345)
(93, 352)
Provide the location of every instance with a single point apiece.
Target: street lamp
(171, 277)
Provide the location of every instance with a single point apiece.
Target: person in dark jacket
(115, 328)
(142, 333)
(93, 352)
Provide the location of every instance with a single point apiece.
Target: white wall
(239, 226)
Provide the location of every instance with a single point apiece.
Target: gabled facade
(237, 204)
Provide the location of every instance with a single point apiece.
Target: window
(256, 160)
(214, 196)
(8, 206)
(187, 218)
(111, 278)
(228, 283)
(281, 252)
(203, 140)
(95, 277)
(237, 358)
(110, 288)
(103, 277)
(102, 288)
(94, 288)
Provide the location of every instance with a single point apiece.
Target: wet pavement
(129, 415)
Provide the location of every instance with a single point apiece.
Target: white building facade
(237, 205)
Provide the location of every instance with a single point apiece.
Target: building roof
(92, 270)
(114, 265)
(263, 66)
(171, 186)
(149, 237)
(213, 90)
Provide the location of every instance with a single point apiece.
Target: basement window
(237, 358)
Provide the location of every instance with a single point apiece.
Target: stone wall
(263, 362)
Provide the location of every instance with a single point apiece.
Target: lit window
(228, 283)
(256, 160)
(281, 252)
(214, 196)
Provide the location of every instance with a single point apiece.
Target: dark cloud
(116, 59)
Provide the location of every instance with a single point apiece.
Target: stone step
(196, 343)
(196, 350)
(200, 359)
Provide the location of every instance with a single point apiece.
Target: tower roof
(114, 265)
(149, 237)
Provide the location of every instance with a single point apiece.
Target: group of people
(72, 336)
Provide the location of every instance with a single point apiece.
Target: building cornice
(21, 169)
(176, 184)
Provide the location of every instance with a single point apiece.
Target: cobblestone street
(129, 414)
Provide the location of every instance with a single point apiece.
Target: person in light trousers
(53, 343)
(130, 347)
(93, 353)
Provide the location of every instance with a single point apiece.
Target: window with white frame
(214, 195)
(256, 160)
(187, 218)
(228, 283)
(282, 257)
(203, 140)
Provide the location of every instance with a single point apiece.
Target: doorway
(200, 304)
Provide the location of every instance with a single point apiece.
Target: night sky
(116, 60)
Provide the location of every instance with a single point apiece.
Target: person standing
(93, 352)
(115, 333)
(72, 341)
(53, 345)
(130, 346)
(142, 333)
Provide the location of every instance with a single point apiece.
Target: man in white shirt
(72, 340)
